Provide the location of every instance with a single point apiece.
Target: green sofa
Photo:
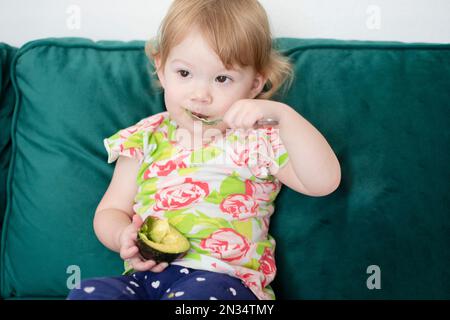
(384, 107)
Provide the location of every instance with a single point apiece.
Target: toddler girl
(207, 164)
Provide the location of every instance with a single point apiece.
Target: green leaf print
(134, 141)
(185, 222)
(232, 185)
(170, 214)
(142, 210)
(170, 129)
(261, 246)
(114, 137)
(187, 171)
(219, 222)
(149, 186)
(282, 159)
(127, 268)
(214, 197)
(193, 256)
(252, 264)
(204, 233)
(195, 247)
(182, 222)
(244, 227)
(233, 139)
(273, 196)
(145, 200)
(164, 149)
(205, 154)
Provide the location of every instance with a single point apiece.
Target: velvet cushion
(382, 106)
(6, 110)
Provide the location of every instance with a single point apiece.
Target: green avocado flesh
(159, 241)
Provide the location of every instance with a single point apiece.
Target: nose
(201, 95)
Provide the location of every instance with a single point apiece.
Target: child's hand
(244, 113)
(130, 252)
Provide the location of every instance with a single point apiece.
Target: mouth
(201, 117)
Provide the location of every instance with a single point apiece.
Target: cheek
(172, 94)
(229, 97)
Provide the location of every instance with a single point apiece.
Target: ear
(159, 71)
(258, 84)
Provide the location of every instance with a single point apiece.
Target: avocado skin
(152, 254)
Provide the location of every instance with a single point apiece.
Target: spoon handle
(268, 122)
(263, 123)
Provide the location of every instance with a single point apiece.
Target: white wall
(393, 20)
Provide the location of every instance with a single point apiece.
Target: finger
(234, 122)
(242, 116)
(250, 121)
(249, 117)
(148, 264)
(243, 121)
(228, 121)
(127, 253)
(129, 240)
(137, 221)
(246, 119)
(160, 267)
(237, 121)
(140, 265)
(230, 116)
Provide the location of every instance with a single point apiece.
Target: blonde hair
(237, 30)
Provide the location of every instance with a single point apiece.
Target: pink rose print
(239, 154)
(131, 151)
(260, 154)
(151, 122)
(165, 167)
(180, 196)
(226, 244)
(125, 133)
(260, 191)
(249, 278)
(275, 141)
(265, 226)
(263, 149)
(239, 204)
(259, 171)
(267, 266)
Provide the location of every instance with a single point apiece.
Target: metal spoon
(259, 123)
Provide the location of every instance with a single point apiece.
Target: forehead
(195, 50)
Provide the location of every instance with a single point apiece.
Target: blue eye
(183, 73)
(223, 79)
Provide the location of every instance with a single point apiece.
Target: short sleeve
(267, 154)
(130, 142)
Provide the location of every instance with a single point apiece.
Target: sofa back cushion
(383, 107)
(73, 94)
(6, 111)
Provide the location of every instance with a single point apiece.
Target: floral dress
(220, 196)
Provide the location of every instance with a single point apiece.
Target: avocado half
(158, 240)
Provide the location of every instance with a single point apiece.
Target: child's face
(195, 78)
